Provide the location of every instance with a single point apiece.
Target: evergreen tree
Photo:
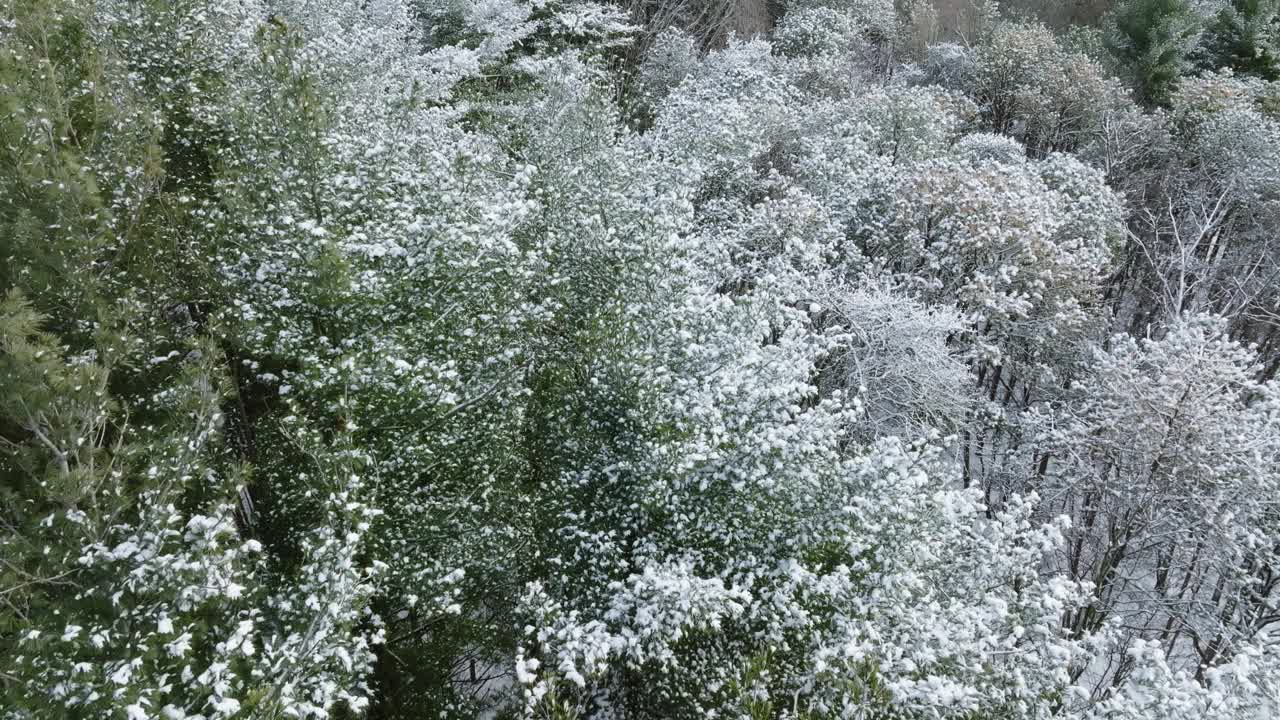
(1155, 39)
(1244, 36)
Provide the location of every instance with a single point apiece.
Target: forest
(640, 359)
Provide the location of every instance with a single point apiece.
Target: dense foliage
(563, 359)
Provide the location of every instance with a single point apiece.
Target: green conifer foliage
(1155, 39)
(1244, 36)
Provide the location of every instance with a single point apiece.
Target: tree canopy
(568, 359)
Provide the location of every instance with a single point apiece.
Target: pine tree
(1155, 38)
(1244, 36)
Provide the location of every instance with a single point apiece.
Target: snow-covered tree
(1164, 458)
(636, 360)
